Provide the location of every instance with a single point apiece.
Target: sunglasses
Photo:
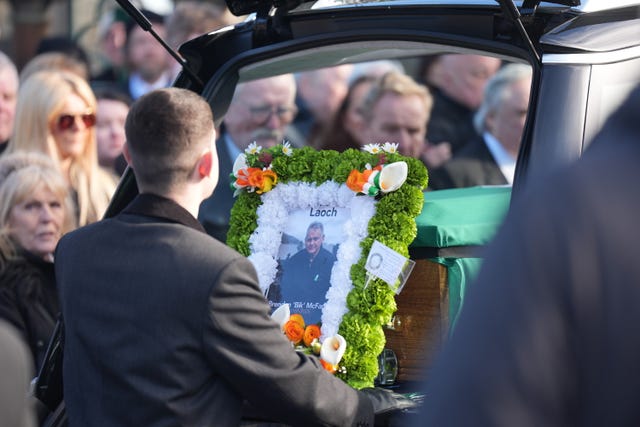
(66, 121)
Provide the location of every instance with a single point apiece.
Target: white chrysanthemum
(307, 195)
(366, 208)
(266, 267)
(253, 148)
(272, 214)
(390, 147)
(327, 192)
(344, 195)
(266, 239)
(272, 201)
(331, 318)
(350, 251)
(371, 148)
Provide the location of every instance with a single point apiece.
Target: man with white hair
(490, 159)
(259, 112)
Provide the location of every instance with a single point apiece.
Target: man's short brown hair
(397, 83)
(167, 130)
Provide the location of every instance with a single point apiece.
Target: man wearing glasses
(260, 111)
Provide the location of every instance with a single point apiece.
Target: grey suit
(166, 326)
(473, 165)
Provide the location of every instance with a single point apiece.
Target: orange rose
(297, 317)
(311, 333)
(294, 331)
(255, 177)
(353, 181)
(269, 179)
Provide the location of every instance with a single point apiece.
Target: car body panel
(566, 43)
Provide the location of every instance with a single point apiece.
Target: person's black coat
(473, 165)
(29, 301)
(547, 335)
(450, 122)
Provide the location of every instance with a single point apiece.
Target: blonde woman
(35, 211)
(55, 115)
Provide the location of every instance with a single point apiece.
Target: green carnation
(418, 175)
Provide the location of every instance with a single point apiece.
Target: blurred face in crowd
(36, 222)
(465, 76)
(313, 241)
(145, 55)
(113, 41)
(353, 119)
(71, 126)
(506, 123)
(8, 98)
(400, 119)
(324, 89)
(261, 111)
(110, 117)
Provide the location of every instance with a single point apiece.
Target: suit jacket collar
(160, 207)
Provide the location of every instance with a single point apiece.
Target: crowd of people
(62, 137)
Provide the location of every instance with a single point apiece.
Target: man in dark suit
(259, 112)
(547, 336)
(166, 325)
(490, 159)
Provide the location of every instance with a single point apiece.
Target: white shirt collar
(138, 87)
(506, 162)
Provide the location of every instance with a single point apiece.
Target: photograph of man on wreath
(306, 257)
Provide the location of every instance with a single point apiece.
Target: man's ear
(127, 154)
(205, 164)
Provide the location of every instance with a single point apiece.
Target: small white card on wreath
(388, 265)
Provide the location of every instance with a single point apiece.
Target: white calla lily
(392, 176)
(333, 349)
(240, 163)
(281, 315)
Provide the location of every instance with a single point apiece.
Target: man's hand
(385, 401)
(435, 155)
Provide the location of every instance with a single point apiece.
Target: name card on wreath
(388, 265)
(308, 220)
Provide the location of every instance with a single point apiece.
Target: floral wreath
(385, 192)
